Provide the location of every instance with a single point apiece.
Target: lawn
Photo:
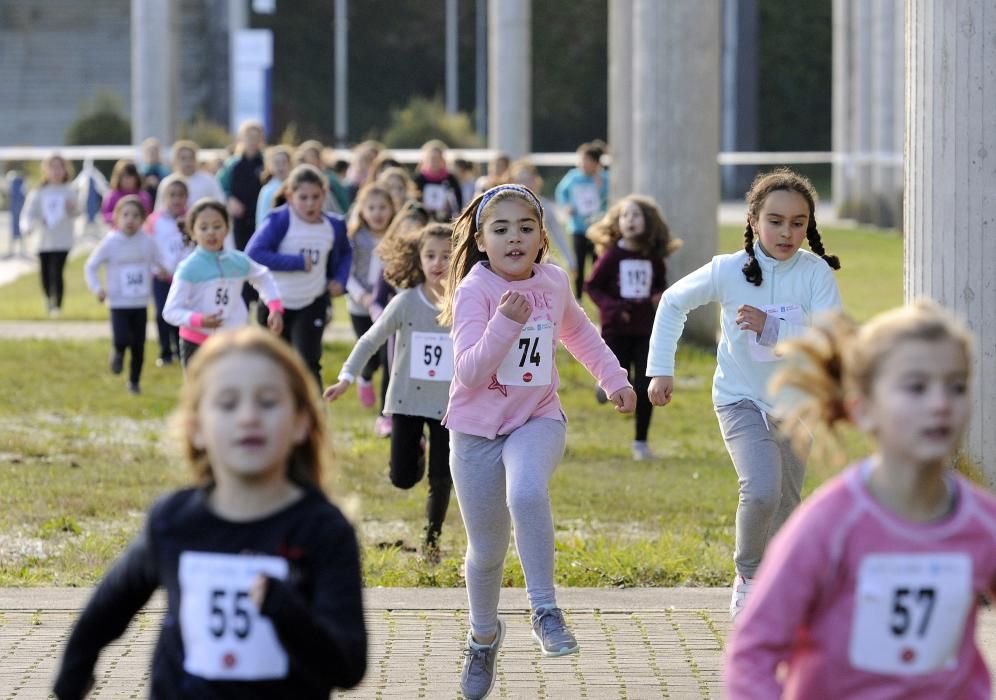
(80, 460)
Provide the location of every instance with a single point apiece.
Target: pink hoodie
(488, 346)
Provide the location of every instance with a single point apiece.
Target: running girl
(49, 211)
(422, 369)
(309, 254)
(374, 211)
(278, 167)
(129, 259)
(632, 242)
(507, 309)
(438, 188)
(261, 572)
(206, 293)
(872, 588)
(174, 246)
(768, 292)
(125, 181)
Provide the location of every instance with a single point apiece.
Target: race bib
(530, 361)
(224, 635)
(634, 279)
(134, 280)
(791, 313)
(53, 205)
(225, 293)
(432, 357)
(910, 611)
(434, 197)
(586, 200)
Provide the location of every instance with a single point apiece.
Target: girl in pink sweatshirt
(872, 587)
(507, 309)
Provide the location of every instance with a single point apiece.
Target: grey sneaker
(642, 451)
(550, 630)
(480, 665)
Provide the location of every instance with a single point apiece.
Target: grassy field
(80, 460)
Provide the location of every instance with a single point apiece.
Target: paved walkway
(635, 643)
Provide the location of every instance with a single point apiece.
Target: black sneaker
(133, 388)
(164, 361)
(600, 395)
(117, 362)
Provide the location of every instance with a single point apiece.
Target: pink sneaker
(383, 426)
(365, 390)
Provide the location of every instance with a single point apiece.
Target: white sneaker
(642, 451)
(741, 589)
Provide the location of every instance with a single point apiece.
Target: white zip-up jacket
(803, 285)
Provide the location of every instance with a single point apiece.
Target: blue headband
(489, 195)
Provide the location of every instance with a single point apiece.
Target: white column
(949, 208)
(621, 97)
(863, 103)
(887, 114)
(843, 169)
(509, 76)
(154, 70)
(676, 73)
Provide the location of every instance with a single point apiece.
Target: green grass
(81, 460)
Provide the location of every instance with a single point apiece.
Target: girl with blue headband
(507, 309)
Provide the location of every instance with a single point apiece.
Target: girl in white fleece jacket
(768, 292)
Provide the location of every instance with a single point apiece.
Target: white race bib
(791, 313)
(225, 294)
(134, 280)
(634, 278)
(432, 357)
(586, 200)
(224, 635)
(434, 197)
(530, 361)
(53, 205)
(910, 611)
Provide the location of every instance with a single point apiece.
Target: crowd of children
(869, 588)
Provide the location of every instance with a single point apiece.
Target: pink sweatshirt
(861, 603)
(489, 347)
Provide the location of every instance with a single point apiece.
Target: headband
(489, 195)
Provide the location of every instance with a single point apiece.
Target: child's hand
(366, 300)
(307, 262)
(335, 289)
(275, 322)
(101, 296)
(660, 390)
(211, 320)
(257, 591)
(750, 318)
(515, 306)
(624, 399)
(336, 390)
(235, 207)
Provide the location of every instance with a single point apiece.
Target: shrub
(423, 119)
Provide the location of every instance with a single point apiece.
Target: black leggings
(52, 263)
(583, 249)
(187, 350)
(632, 351)
(361, 324)
(169, 335)
(303, 329)
(128, 332)
(408, 466)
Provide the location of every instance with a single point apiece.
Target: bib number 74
(529, 362)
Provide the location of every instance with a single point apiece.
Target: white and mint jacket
(205, 283)
(804, 279)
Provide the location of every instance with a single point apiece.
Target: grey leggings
(500, 482)
(771, 477)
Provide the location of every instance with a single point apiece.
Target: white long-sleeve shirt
(128, 262)
(792, 292)
(49, 211)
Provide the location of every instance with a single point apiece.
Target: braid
(816, 245)
(752, 268)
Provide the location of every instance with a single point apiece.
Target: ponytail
(751, 268)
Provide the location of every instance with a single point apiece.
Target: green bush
(423, 119)
(206, 133)
(102, 122)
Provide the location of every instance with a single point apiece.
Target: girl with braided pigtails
(768, 292)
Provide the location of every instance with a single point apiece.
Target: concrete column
(154, 70)
(621, 97)
(863, 104)
(843, 170)
(676, 72)
(510, 76)
(887, 114)
(949, 210)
